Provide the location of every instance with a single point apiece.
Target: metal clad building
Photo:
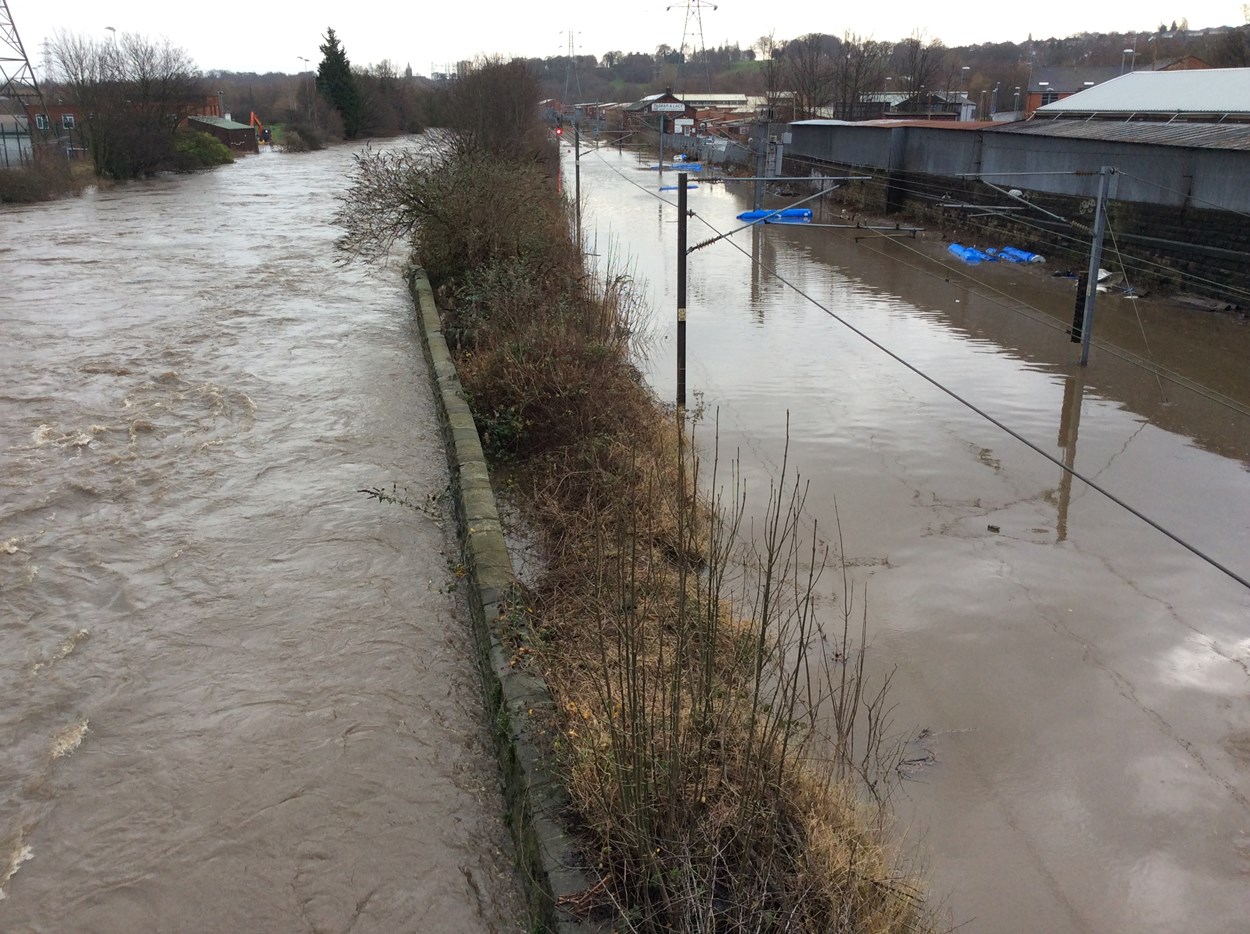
(1178, 165)
(1179, 139)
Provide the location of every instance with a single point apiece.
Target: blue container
(1011, 254)
(970, 255)
(784, 216)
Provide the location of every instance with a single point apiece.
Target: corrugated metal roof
(962, 126)
(1192, 135)
(1201, 90)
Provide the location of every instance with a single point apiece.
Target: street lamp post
(308, 68)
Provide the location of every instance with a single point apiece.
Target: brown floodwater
(235, 693)
(1080, 681)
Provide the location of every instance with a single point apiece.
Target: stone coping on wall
(518, 701)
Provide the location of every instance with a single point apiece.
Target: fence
(15, 148)
(712, 150)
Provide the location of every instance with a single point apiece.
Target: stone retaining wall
(518, 701)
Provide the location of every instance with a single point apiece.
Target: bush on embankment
(48, 178)
(194, 150)
(299, 137)
(685, 657)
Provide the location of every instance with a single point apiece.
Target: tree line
(131, 97)
(134, 93)
(831, 72)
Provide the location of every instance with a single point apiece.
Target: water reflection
(1069, 428)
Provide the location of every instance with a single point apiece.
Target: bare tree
(810, 71)
(493, 109)
(860, 68)
(919, 62)
(130, 94)
(770, 57)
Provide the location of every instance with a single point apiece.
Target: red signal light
(559, 131)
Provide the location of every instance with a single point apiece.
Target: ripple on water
(200, 396)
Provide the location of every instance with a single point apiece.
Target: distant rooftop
(1222, 91)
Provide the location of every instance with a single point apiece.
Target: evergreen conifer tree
(337, 84)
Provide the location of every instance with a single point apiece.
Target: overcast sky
(255, 35)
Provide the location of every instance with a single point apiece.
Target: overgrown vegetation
(727, 763)
(44, 180)
(300, 138)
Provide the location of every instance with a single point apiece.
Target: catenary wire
(1140, 263)
(1016, 306)
(1141, 326)
(1002, 426)
(1023, 309)
(936, 193)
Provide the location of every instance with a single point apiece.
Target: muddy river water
(235, 694)
(1082, 681)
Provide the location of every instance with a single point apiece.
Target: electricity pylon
(570, 69)
(18, 88)
(694, 16)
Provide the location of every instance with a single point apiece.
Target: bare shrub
(697, 695)
(48, 178)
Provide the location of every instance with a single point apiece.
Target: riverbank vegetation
(727, 762)
(129, 97)
(42, 180)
